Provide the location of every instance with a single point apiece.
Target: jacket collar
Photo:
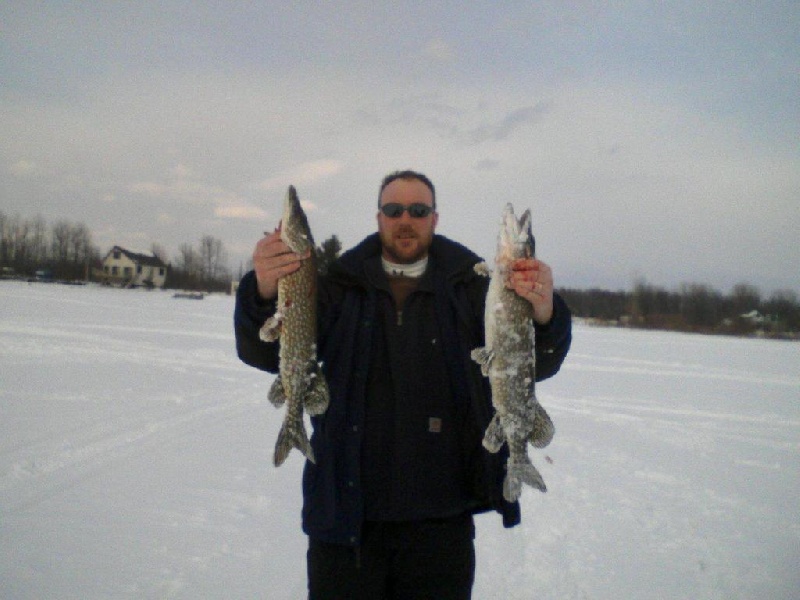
(450, 257)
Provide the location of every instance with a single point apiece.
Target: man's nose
(406, 217)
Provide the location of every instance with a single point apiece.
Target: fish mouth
(516, 239)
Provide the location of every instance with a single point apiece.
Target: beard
(405, 245)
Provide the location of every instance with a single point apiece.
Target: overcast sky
(655, 140)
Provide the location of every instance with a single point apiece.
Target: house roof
(149, 260)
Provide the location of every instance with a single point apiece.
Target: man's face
(406, 239)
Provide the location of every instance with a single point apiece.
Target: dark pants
(419, 560)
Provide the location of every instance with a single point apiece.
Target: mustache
(406, 231)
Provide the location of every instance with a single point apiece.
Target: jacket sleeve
(248, 317)
(553, 340)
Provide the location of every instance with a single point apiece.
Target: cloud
(181, 171)
(182, 185)
(466, 118)
(487, 164)
(303, 174)
(309, 206)
(439, 50)
(23, 168)
(510, 123)
(149, 188)
(240, 211)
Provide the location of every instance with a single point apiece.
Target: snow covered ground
(135, 462)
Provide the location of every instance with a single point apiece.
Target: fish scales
(508, 360)
(300, 383)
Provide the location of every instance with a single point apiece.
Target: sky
(655, 142)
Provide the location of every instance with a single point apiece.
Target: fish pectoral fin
(483, 356)
(292, 435)
(482, 269)
(495, 436)
(516, 475)
(271, 329)
(277, 395)
(316, 402)
(543, 428)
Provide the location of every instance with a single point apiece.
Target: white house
(129, 269)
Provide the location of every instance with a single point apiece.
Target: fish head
(295, 231)
(516, 238)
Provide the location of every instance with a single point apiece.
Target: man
(400, 469)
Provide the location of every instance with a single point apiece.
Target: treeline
(202, 267)
(65, 251)
(693, 307)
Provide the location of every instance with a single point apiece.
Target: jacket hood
(454, 259)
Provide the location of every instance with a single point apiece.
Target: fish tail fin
(543, 428)
(277, 395)
(292, 435)
(516, 475)
(495, 436)
(483, 356)
(318, 397)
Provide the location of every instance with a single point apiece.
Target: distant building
(43, 275)
(754, 317)
(132, 269)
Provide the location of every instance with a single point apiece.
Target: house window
(117, 254)
(115, 270)
(161, 271)
(127, 272)
(139, 269)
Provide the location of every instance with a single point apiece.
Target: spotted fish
(508, 360)
(300, 383)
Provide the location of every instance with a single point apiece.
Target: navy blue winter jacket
(333, 490)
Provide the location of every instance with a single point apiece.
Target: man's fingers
(273, 259)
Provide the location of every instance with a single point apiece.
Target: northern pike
(509, 361)
(300, 383)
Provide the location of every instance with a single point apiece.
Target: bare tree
(159, 252)
(4, 240)
(212, 258)
(80, 244)
(20, 230)
(38, 241)
(59, 243)
(744, 298)
(700, 305)
(783, 309)
(188, 261)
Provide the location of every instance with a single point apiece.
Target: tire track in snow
(46, 473)
(766, 429)
(626, 366)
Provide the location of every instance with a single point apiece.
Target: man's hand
(272, 259)
(533, 280)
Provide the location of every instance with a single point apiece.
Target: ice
(136, 462)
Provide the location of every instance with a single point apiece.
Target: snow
(135, 462)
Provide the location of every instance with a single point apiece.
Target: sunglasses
(395, 210)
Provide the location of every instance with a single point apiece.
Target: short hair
(407, 174)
